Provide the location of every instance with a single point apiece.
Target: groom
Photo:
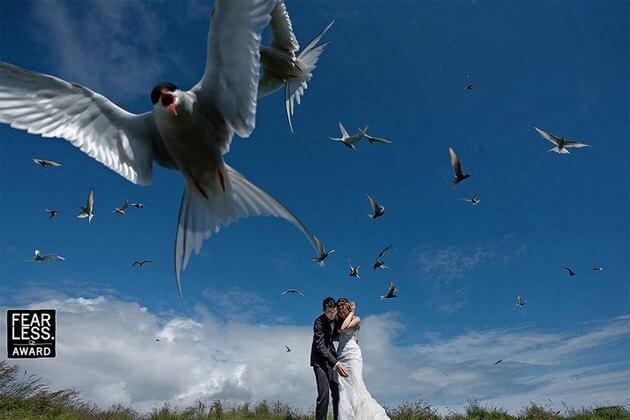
(324, 359)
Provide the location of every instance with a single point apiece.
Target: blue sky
(399, 67)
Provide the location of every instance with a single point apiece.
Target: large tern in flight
(188, 131)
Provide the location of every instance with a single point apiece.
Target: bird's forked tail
(205, 208)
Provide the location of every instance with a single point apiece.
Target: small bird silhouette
(46, 163)
(348, 140)
(52, 213)
(379, 263)
(598, 269)
(354, 271)
(140, 263)
(571, 272)
(560, 143)
(520, 302)
(391, 291)
(498, 361)
(288, 349)
(323, 254)
(121, 210)
(38, 257)
(292, 292)
(473, 201)
(88, 210)
(377, 209)
(138, 205)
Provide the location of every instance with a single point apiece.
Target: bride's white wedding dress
(355, 401)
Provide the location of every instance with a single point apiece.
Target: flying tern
(283, 63)
(348, 140)
(186, 130)
(88, 209)
(560, 143)
(457, 168)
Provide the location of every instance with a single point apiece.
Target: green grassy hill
(24, 396)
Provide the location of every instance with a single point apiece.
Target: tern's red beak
(168, 102)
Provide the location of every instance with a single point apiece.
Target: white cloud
(444, 271)
(93, 45)
(107, 350)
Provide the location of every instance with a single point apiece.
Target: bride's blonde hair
(344, 303)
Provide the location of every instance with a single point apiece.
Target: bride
(355, 401)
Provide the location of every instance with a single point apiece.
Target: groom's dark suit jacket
(323, 352)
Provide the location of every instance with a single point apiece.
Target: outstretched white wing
(547, 136)
(89, 204)
(372, 203)
(576, 144)
(229, 85)
(47, 105)
(344, 132)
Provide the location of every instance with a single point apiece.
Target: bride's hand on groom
(342, 369)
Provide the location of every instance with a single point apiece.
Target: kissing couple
(339, 372)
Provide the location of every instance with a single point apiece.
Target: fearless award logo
(30, 333)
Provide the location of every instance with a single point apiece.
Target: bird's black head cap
(161, 88)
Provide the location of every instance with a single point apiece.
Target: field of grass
(24, 396)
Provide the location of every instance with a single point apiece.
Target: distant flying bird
(520, 302)
(140, 263)
(288, 349)
(469, 86)
(186, 130)
(347, 139)
(157, 339)
(42, 162)
(121, 210)
(38, 257)
(598, 269)
(354, 271)
(377, 209)
(457, 167)
(323, 254)
(378, 263)
(88, 209)
(473, 201)
(52, 213)
(138, 205)
(571, 272)
(292, 292)
(281, 67)
(391, 291)
(381, 140)
(498, 361)
(560, 143)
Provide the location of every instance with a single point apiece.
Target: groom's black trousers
(325, 386)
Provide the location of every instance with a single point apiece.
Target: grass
(24, 396)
